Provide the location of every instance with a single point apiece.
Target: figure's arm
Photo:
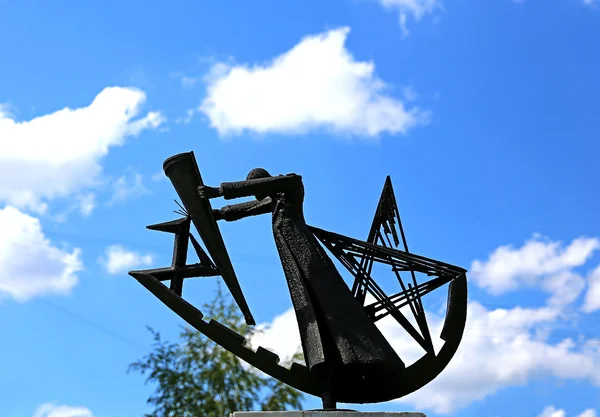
(239, 211)
(260, 186)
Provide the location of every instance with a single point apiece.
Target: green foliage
(197, 378)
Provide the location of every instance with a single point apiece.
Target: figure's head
(257, 173)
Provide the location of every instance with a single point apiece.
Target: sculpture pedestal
(339, 413)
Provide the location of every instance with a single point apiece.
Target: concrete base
(339, 413)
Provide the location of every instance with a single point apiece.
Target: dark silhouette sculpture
(347, 358)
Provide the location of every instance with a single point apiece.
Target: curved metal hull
(414, 377)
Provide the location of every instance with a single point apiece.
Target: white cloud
(316, 84)
(186, 81)
(30, 265)
(159, 176)
(563, 287)
(590, 412)
(66, 146)
(87, 202)
(416, 8)
(409, 94)
(552, 411)
(126, 187)
(591, 302)
(500, 347)
(589, 2)
(486, 361)
(52, 410)
(508, 269)
(513, 353)
(118, 260)
(6, 110)
(281, 335)
(189, 115)
(84, 203)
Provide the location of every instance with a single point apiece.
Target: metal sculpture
(347, 358)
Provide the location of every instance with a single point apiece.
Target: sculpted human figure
(338, 338)
(347, 359)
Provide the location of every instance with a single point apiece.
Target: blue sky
(485, 114)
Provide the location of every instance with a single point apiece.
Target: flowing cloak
(336, 333)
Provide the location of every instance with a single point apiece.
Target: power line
(563, 329)
(99, 327)
(87, 321)
(94, 325)
(167, 246)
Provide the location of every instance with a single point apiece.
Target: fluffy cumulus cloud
(30, 265)
(516, 351)
(53, 156)
(66, 146)
(280, 335)
(486, 362)
(540, 262)
(118, 260)
(53, 410)
(552, 411)
(414, 8)
(592, 297)
(316, 84)
(521, 346)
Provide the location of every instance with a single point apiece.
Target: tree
(197, 378)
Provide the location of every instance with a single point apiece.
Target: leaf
(197, 378)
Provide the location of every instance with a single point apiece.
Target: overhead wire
(253, 259)
(117, 336)
(84, 320)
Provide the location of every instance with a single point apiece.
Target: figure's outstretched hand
(217, 214)
(204, 191)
